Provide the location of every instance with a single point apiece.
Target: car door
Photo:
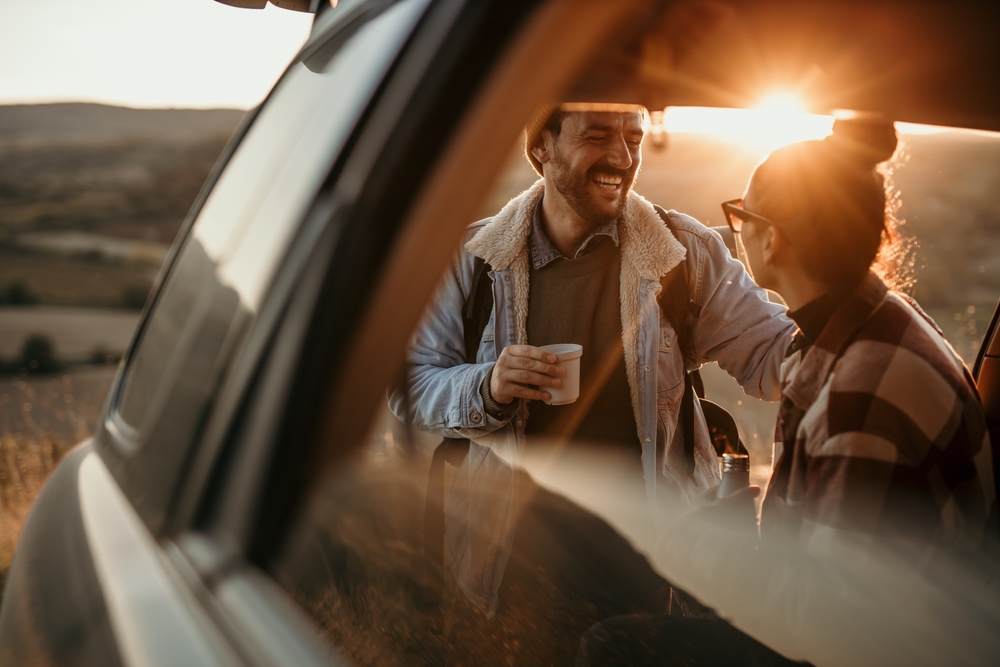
(987, 375)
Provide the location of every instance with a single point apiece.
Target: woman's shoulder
(902, 363)
(898, 330)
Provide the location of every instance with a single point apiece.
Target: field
(40, 420)
(77, 334)
(91, 197)
(75, 281)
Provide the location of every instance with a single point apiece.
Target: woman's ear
(772, 243)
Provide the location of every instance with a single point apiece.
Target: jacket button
(667, 340)
(520, 422)
(646, 368)
(476, 417)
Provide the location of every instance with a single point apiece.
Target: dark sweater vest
(577, 301)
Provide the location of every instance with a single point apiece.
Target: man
(579, 258)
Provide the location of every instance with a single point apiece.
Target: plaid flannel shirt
(881, 433)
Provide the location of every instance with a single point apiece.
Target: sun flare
(782, 103)
(778, 120)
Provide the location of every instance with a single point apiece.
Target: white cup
(568, 356)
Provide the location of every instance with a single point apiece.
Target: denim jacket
(735, 326)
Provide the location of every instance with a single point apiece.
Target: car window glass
(361, 560)
(248, 219)
(946, 180)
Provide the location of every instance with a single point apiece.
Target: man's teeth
(609, 182)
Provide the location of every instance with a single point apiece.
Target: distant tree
(38, 355)
(17, 294)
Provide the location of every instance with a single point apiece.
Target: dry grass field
(41, 418)
(111, 172)
(76, 334)
(73, 281)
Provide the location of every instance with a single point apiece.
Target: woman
(882, 431)
(872, 531)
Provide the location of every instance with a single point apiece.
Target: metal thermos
(735, 474)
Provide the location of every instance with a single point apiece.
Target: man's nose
(619, 155)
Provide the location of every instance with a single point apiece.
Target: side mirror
(308, 6)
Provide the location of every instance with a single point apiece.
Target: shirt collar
(542, 250)
(812, 318)
(850, 314)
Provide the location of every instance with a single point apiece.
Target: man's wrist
(494, 409)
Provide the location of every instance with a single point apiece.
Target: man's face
(594, 161)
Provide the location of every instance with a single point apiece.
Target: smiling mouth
(607, 181)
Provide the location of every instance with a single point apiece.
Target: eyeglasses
(736, 215)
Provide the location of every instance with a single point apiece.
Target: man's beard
(575, 189)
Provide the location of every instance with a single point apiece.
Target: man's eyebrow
(595, 127)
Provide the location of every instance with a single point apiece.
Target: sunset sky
(144, 53)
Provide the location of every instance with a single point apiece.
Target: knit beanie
(534, 128)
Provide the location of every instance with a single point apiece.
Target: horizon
(120, 106)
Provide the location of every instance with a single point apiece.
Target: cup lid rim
(565, 350)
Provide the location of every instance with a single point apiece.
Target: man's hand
(521, 366)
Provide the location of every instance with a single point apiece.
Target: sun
(778, 119)
(782, 103)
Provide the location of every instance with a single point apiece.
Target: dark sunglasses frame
(736, 215)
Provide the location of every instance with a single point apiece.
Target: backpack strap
(478, 308)
(680, 310)
(475, 316)
(675, 297)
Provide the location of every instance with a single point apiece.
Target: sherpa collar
(645, 240)
(648, 250)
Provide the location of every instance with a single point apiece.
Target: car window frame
(337, 30)
(112, 441)
(169, 264)
(212, 543)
